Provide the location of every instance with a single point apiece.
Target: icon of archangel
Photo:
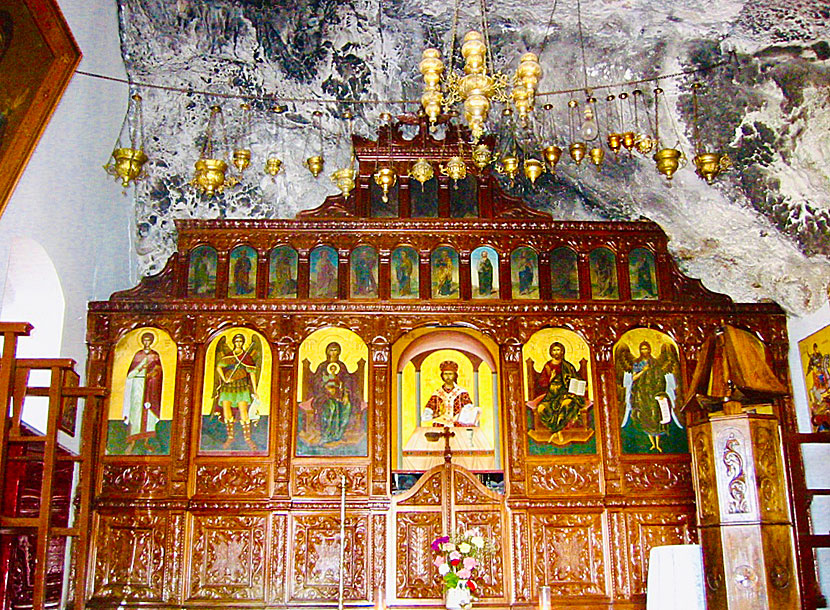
(648, 384)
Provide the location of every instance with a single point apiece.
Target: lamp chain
(582, 44)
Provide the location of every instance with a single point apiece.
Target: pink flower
(455, 555)
(465, 573)
(470, 562)
(438, 561)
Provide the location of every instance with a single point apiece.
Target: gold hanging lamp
(242, 151)
(315, 162)
(668, 160)
(273, 163)
(210, 177)
(708, 165)
(127, 160)
(385, 176)
(344, 178)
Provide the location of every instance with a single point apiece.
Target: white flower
(443, 568)
(477, 541)
(465, 547)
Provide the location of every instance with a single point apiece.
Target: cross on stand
(447, 433)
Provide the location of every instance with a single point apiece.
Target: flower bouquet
(458, 556)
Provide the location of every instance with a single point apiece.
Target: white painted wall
(64, 200)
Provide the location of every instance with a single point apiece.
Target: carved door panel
(446, 499)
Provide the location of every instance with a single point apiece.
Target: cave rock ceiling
(760, 232)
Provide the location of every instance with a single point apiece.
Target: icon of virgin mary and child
(332, 415)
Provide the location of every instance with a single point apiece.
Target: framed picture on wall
(37, 58)
(814, 353)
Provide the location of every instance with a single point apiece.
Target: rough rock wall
(759, 233)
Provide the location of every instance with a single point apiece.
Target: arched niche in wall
(142, 393)
(33, 293)
(331, 417)
(236, 398)
(446, 376)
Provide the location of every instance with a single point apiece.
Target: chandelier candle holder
(476, 89)
(127, 161)
(708, 165)
(315, 162)
(210, 175)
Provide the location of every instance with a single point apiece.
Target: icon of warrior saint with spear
(237, 373)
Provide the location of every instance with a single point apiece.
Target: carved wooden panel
(571, 478)
(653, 477)
(415, 574)
(647, 529)
(700, 441)
(279, 558)
(316, 557)
(379, 554)
(467, 490)
(567, 553)
(129, 557)
(121, 479)
(490, 576)
(427, 494)
(521, 558)
(232, 480)
(769, 472)
(325, 480)
(228, 559)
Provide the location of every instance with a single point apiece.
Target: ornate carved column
(281, 411)
(379, 375)
(513, 406)
(743, 513)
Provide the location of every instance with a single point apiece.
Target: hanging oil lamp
(128, 158)
(643, 143)
(482, 156)
(577, 149)
(273, 163)
(344, 178)
(385, 176)
(422, 171)
(431, 68)
(550, 153)
(614, 137)
(668, 160)
(315, 162)
(708, 165)
(242, 151)
(210, 177)
(533, 168)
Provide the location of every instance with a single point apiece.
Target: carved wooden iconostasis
(270, 358)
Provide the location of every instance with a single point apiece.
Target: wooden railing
(38, 473)
(808, 542)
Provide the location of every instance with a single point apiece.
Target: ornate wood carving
(134, 479)
(769, 471)
(582, 522)
(707, 504)
(567, 553)
(657, 477)
(279, 558)
(490, 574)
(129, 557)
(576, 478)
(228, 558)
(415, 574)
(325, 480)
(427, 493)
(654, 528)
(316, 558)
(232, 480)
